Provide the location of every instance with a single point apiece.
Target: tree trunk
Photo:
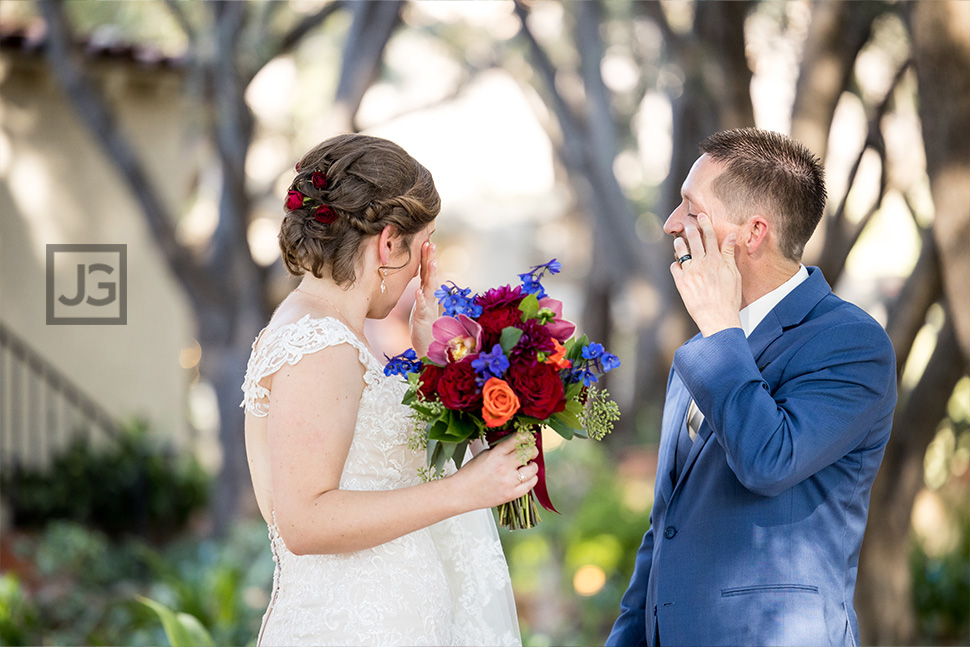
(223, 366)
(941, 51)
(941, 42)
(884, 592)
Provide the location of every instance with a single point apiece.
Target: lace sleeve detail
(287, 345)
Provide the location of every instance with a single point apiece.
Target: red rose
(429, 380)
(494, 321)
(457, 387)
(319, 179)
(539, 388)
(325, 214)
(294, 200)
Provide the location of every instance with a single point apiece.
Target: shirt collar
(753, 313)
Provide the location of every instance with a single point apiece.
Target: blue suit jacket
(757, 541)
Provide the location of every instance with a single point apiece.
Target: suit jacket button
(669, 532)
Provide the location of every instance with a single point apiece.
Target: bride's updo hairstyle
(347, 189)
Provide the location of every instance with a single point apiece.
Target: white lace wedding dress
(443, 585)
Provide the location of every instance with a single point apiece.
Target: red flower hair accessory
(319, 179)
(325, 215)
(294, 200)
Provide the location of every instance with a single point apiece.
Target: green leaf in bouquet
(466, 426)
(572, 390)
(424, 411)
(574, 410)
(460, 451)
(560, 427)
(574, 347)
(439, 455)
(440, 430)
(510, 337)
(452, 427)
(529, 307)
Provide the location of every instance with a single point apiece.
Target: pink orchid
(559, 328)
(454, 338)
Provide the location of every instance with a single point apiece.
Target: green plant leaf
(572, 390)
(529, 307)
(510, 337)
(459, 455)
(574, 348)
(562, 428)
(181, 629)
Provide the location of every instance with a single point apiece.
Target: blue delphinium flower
(595, 358)
(456, 301)
(531, 279)
(609, 361)
(491, 364)
(584, 375)
(593, 351)
(406, 362)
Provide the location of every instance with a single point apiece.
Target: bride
(366, 552)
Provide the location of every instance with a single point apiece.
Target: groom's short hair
(772, 174)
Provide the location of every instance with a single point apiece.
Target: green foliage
(941, 590)
(132, 485)
(224, 584)
(18, 615)
(90, 589)
(83, 582)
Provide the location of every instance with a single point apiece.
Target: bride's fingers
(528, 471)
(424, 265)
(429, 270)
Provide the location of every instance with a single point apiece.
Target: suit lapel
(674, 424)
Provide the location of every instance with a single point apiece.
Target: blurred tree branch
(94, 110)
(840, 234)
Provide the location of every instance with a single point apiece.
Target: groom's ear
(756, 237)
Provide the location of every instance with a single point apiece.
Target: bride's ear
(385, 244)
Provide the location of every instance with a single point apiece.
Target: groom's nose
(675, 221)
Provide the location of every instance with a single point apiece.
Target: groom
(776, 418)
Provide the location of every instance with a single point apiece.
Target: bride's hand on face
(425, 310)
(496, 476)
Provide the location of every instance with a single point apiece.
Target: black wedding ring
(683, 259)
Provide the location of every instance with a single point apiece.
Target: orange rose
(500, 402)
(558, 359)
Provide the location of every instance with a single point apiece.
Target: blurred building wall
(56, 187)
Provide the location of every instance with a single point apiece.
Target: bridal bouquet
(505, 363)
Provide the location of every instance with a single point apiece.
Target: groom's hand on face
(708, 281)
